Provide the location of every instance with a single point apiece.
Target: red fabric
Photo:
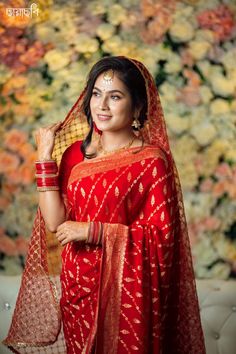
(148, 312)
(70, 158)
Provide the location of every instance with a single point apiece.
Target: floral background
(189, 46)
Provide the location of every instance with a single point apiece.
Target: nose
(103, 104)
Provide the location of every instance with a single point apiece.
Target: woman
(127, 283)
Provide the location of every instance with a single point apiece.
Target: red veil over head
(36, 321)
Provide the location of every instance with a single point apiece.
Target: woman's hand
(45, 140)
(71, 231)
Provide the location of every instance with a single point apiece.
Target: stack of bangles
(47, 176)
(95, 232)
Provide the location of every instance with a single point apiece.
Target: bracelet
(46, 189)
(46, 167)
(47, 175)
(95, 232)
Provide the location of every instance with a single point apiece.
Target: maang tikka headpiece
(108, 77)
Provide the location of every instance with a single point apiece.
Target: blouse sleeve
(71, 156)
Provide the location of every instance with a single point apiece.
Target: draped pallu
(135, 291)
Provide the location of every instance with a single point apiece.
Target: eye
(95, 93)
(115, 97)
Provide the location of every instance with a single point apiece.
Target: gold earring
(136, 124)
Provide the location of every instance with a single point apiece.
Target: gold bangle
(44, 175)
(48, 189)
(45, 160)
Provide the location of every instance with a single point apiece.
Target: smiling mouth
(103, 117)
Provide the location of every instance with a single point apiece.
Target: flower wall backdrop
(189, 46)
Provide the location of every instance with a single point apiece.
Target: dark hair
(130, 75)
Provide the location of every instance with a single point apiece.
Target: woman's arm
(50, 202)
(52, 208)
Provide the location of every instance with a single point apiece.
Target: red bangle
(95, 232)
(46, 167)
(48, 181)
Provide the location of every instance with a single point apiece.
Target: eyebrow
(112, 91)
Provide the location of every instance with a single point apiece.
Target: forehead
(114, 83)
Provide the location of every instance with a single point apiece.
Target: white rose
(222, 85)
(205, 93)
(57, 59)
(174, 65)
(177, 124)
(117, 14)
(228, 59)
(199, 49)
(204, 133)
(181, 31)
(219, 106)
(105, 31)
(86, 44)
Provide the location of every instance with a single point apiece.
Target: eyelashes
(113, 97)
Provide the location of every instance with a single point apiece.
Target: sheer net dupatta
(36, 321)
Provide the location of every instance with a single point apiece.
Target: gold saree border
(115, 161)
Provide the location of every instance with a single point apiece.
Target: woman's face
(111, 104)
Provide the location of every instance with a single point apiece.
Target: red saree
(133, 293)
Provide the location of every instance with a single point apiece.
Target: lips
(103, 117)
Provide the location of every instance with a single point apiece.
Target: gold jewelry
(108, 77)
(105, 152)
(136, 124)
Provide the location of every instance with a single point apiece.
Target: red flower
(219, 20)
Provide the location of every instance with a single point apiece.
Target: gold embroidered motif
(104, 183)
(117, 192)
(165, 189)
(95, 200)
(152, 200)
(129, 177)
(162, 216)
(140, 188)
(154, 172)
(127, 306)
(135, 320)
(82, 191)
(129, 279)
(141, 215)
(134, 347)
(124, 331)
(143, 162)
(87, 290)
(139, 294)
(88, 218)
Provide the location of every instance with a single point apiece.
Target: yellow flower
(113, 45)
(116, 14)
(174, 65)
(228, 59)
(86, 44)
(57, 59)
(177, 124)
(105, 31)
(222, 85)
(181, 154)
(233, 106)
(204, 133)
(181, 31)
(219, 106)
(188, 175)
(199, 49)
(205, 93)
(230, 154)
(97, 7)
